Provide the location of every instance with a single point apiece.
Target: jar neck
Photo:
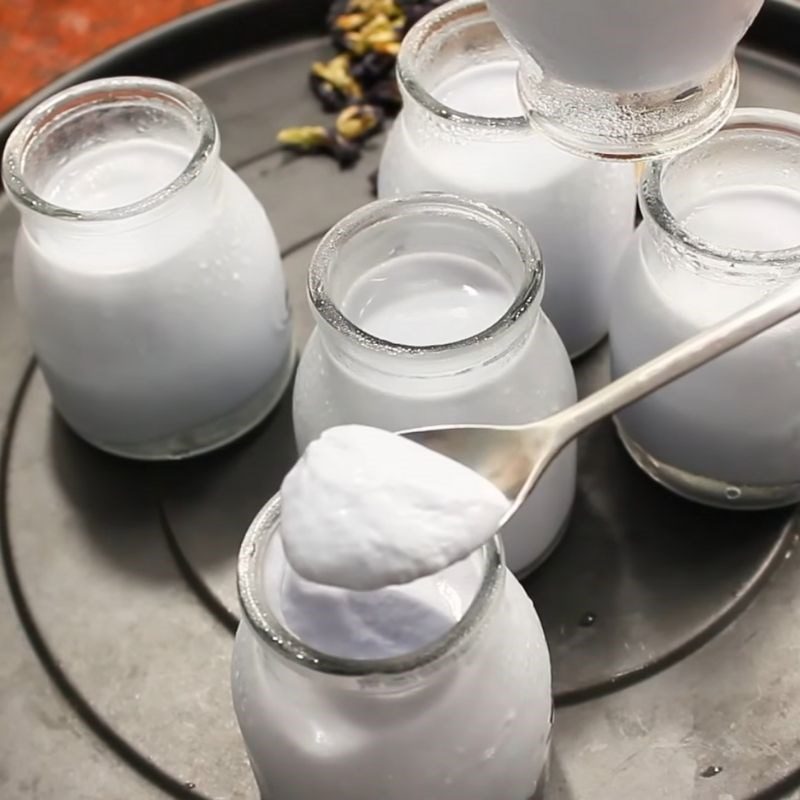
(426, 227)
(450, 39)
(757, 150)
(290, 655)
(143, 142)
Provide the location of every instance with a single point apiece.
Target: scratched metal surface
(673, 629)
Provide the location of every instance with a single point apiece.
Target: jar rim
(427, 205)
(437, 22)
(80, 96)
(654, 203)
(281, 641)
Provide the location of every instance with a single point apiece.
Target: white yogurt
(517, 375)
(364, 508)
(160, 332)
(581, 212)
(433, 300)
(387, 622)
(623, 46)
(729, 433)
(469, 723)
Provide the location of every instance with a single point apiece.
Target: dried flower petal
(357, 123)
(337, 73)
(305, 137)
(386, 95)
(350, 22)
(331, 98)
(373, 67)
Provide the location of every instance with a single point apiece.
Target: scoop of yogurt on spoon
(364, 508)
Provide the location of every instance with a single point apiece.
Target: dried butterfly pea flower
(416, 11)
(381, 33)
(336, 72)
(330, 98)
(373, 67)
(386, 95)
(358, 123)
(358, 83)
(318, 139)
(306, 138)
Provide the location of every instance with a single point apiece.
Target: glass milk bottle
(721, 229)
(147, 271)
(448, 697)
(428, 312)
(462, 130)
(627, 78)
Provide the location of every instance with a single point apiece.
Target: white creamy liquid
(152, 326)
(364, 508)
(115, 174)
(626, 45)
(580, 212)
(736, 419)
(756, 218)
(430, 298)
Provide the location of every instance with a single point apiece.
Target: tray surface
(672, 628)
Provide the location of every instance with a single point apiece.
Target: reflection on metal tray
(673, 628)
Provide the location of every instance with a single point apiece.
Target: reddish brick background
(41, 39)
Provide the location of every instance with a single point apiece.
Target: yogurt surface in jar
(439, 687)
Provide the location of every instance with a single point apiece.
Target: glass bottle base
(529, 569)
(635, 126)
(210, 435)
(709, 491)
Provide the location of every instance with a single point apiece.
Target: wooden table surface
(42, 39)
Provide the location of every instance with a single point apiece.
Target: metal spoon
(513, 457)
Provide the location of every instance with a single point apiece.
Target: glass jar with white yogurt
(428, 312)
(435, 689)
(463, 130)
(148, 273)
(627, 78)
(721, 230)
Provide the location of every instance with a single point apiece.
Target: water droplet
(733, 493)
(588, 619)
(189, 785)
(710, 772)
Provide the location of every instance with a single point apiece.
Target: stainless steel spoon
(513, 457)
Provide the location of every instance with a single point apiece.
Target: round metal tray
(673, 628)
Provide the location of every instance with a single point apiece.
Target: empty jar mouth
(104, 111)
(264, 621)
(448, 39)
(755, 148)
(424, 223)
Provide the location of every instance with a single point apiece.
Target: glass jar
(466, 716)
(428, 312)
(462, 130)
(627, 78)
(721, 230)
(148, 273)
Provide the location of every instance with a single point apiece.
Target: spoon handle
(683, 358)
